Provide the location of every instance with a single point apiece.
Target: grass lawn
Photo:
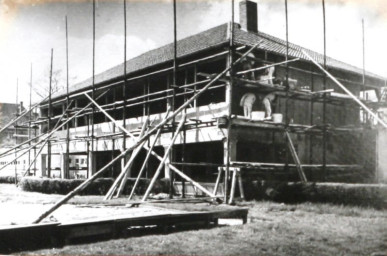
(272, 229)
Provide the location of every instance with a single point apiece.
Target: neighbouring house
(14, 135)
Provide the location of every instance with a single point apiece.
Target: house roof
(277, 45)
(204, 40)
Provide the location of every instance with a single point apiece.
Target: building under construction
(308, 115)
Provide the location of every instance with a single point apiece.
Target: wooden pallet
(34, 236)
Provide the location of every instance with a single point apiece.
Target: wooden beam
(295, 157)
(232, 190)
(131, 160)
(161, 165)
(122, 175)
(144, 164)
(347, 91)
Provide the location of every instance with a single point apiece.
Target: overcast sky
(30, 28)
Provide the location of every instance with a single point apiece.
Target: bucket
(277, 118)
(258, 115)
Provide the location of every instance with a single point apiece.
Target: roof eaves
(88, 87)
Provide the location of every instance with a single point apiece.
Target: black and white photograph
(193, 127)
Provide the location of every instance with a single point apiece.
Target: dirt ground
(272, 228)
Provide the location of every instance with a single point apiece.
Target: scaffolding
(176, 99)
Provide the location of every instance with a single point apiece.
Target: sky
(29, 29)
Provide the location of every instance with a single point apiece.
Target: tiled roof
(186, 46)
(274, 44)
(207, 39)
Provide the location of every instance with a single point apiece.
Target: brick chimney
(20, 108)
(248, 15)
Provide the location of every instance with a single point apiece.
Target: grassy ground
(272, 229)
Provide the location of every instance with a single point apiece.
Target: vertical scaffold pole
(363, 37)
(16, 114)
(184, 139)
(93, 96)
(30, 123)
(174, 80)
(30, 120)
(87, 120)
(147, 111)
(324, 98)
(49, 118)
(67, 157)
(311, 138)
(114, 131)
(365, 114)
(287, 121)
(124, 87)
(230, 92)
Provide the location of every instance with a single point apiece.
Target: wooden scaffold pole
(124, 85)
(287, 119)
(67, 156)
(91, 119)
(29, 120)
(361, 104)
(49, 118)
(363, 47)
(166, 155)
(144, 164)
(230, 93)
(16, 114)
(173, 100)
(131, 159)
(324, 137)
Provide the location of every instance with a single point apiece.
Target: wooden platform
(35, 236)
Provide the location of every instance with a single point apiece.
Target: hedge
(8, 179)
(368, 195)
(98, 187)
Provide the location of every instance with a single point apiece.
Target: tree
(58, 83)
